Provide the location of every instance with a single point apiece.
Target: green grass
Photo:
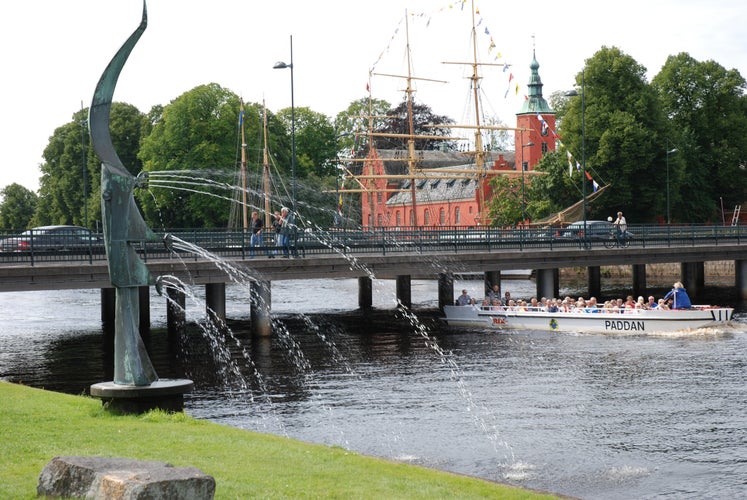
(38, 425)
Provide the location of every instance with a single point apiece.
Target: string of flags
(495, 54)
(546, 127)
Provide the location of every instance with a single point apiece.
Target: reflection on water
(592, 416)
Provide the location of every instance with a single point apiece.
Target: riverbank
(39, 425)
(712, 269)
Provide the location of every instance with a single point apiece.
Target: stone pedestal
(122, 479)
(163, 394)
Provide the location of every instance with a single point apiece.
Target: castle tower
(538, 121)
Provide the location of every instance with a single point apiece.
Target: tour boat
(598, 321)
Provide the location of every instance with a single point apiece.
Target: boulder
(122, 479)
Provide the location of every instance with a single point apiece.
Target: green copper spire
(534, 103)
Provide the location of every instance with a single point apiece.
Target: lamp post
(669, 151)
(523, 167)
(583, 141)
(282, 65)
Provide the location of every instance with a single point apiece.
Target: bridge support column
(639, 280)
(108, 308)
(404, 290)
(445, 290)
(595, 281)
(492, 278)
(176, 315)
(261, 301)
(215, 303)
(547, 285)
(143, 298)
(365, 292)
(693, 277)
(740, 278)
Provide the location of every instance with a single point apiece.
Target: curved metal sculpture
(123, 226)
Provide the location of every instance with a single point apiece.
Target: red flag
(589, 176)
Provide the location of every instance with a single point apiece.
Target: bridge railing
(236, 244)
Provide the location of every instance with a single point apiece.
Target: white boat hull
(635, 321)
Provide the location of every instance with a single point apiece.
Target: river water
(590, 416)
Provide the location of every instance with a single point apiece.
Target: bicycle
(617, 240)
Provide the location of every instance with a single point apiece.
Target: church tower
(536, 124)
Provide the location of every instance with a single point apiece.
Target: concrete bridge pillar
(261, 302)
(693, 277)
(639, 280)
(108, 308)
(365, 292)
(176, 315)
(740, 278)
(492, 278)
(595, 281)
(547, 284)
(404, 290)
(445, 290)
(215, 302)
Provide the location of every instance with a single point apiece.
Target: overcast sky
(54, 51)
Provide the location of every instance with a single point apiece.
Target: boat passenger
(652, 304)
(552, 306)
(591, 305)
(679, 297)
(640, 303)
(464, 299)
(662, 306)
(494, 293)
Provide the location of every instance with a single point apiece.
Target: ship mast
(479, 150)
(411, 163)
(243, 172)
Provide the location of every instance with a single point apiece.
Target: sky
(53, 53)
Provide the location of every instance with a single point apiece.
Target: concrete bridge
(441, 263)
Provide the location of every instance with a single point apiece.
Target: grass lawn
(38, 425)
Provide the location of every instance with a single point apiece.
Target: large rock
(122, 478)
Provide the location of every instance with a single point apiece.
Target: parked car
(596, 230)
(53, 238)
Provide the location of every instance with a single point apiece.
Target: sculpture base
(164, 394)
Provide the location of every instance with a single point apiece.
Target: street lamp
(669, 151)
(282, 65)
(583, 141)
(523, 167)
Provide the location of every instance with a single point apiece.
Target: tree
(504, 207)
(555, 190)
(360, 116)
(69, 165)
(624, 127)
(17, 207)
(191, 156)
(424, 123)
(708, 114)
(315, 141)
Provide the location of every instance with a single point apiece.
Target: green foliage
(191, 157)
(360, 116)
(70, 167)
(621, 124)
(17, 207)
(555, 190)
(708, 112)
(504, 207)
(315, 141)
